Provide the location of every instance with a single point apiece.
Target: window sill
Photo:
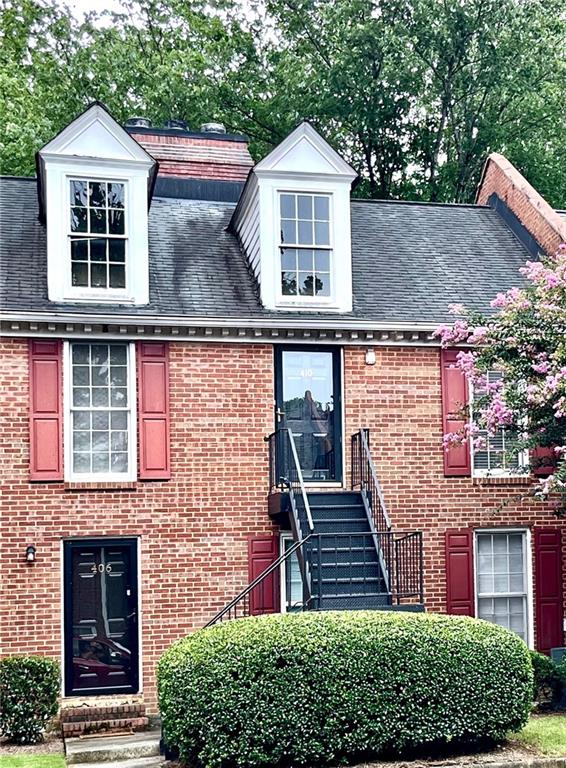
(109, 485)
(503, 480)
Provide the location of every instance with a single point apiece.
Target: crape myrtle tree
(525, 340)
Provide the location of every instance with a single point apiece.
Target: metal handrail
(241, 597)
(301, 482)
(364, 475)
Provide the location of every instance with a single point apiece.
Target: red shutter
(262, 552)
(153, 410)
(459, 573)
(46, 410)
(543, 460)
(548, 575)
(454, 398)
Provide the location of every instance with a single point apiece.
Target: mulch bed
(51, 745)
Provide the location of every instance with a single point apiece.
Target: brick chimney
(501, 182)
(210, 153)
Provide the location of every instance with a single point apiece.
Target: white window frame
(522, 458)
(98, 294)
(283, 537)
(59, 175)
(298, 300)
(99, 477)
(528, 564)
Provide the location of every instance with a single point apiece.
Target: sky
(80, 7)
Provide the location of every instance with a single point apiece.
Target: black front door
(307, 396)
(101, 622)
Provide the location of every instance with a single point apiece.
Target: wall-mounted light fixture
(30, 554)
(370, 356)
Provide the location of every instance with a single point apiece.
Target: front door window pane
(309, 407)
(100, 409)
(502, 580)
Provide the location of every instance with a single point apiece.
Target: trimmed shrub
(29, 688)
(316, 688)
(548, 680)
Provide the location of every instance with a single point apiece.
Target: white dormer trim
(304, 163)
(304, 143)
(96, 147)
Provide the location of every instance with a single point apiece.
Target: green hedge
(320, 687)
(29, 689)
(549, 680)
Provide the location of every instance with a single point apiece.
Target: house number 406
(101, 568)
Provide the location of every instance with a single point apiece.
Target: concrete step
(108, 749)
(134, 762)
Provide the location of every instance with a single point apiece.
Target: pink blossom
(542, 367)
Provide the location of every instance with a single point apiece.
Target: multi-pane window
(502, 580)
(97, 221)
(100, 409)
(494, 453)
(305, 244)
(293, 595)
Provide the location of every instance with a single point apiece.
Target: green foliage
(29, 688)
(316, 688)
(549, 678)
(413, 93)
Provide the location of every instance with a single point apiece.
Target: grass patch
(547, 734)
(32, 761)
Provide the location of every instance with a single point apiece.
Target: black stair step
(334, 497)
(346, 589)
(339, 525)
(368, 568)
(345, 555)
(344, 511)
(355, 603)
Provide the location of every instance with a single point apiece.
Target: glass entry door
(101, 628)
(308, 403)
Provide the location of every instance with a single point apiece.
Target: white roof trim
(307, 134)
(96, 117)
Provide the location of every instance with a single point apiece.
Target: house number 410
(101, 568)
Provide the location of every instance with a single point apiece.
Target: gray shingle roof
(410, 260)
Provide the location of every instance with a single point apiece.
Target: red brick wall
(536, 215)
(193, 529)
(399, 400)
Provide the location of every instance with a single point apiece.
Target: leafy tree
(413, 93)
(525, 340)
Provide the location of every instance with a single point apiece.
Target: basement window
(502, 584)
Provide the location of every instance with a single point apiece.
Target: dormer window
(305, 246)
(97, 234)
(95, 184)
(293, 221)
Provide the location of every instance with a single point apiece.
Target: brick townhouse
(211, 368)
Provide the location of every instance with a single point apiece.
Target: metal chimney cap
(138, 122)
(177, 125)
(213, 128)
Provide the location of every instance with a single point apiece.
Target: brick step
(109, 712)
(110, 725)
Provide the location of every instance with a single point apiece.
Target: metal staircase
(346, 572)
(349, 556)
